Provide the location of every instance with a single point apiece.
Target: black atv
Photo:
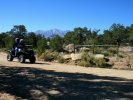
(22, 55)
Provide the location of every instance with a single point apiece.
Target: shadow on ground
(38, 84)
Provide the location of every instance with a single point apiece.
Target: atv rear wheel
(32, 59)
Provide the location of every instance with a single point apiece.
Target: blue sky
(64, 14)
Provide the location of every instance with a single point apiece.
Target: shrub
(94, 49)
(84, 63)
(97, 50)
(121, 55)
(49, 55)
(112, 50)
(60, 59)
(105, 53)
(41, 45)
(3, 50)
(100, 62)
(86, 59)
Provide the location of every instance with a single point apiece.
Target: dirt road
(69, 68)
(50, 81)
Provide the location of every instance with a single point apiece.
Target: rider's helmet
(21, 40)
(17, 40)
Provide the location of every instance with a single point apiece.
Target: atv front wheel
(9, 57)
(21, 59)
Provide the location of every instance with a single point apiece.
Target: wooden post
(74, 47)
(118, 45)
(94, 48)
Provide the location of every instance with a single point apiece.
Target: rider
(21, 44)
(15, 45)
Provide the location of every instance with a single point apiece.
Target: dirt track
(68, 68)
(49, 81)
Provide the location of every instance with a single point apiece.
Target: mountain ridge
(52, 32)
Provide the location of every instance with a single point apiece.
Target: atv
(22, 55)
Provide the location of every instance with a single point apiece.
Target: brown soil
(50, 81)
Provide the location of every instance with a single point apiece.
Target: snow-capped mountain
(49, 33)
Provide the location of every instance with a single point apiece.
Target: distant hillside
(49, 33)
